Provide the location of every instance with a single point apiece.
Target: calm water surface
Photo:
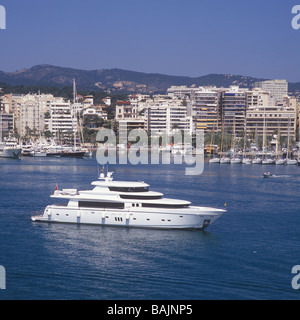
(247, 254)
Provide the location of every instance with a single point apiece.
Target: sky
(179, 37)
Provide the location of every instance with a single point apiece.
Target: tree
(93, 121)
(48, 134)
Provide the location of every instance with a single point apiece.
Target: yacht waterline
(126, 204)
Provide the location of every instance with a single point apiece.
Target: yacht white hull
(11, 153)
(247, 161)
(257, 161)
(235, 161)
(268, 162)
(291, 162)
(189, 218)
(280, 162)
(214, 160)
(225, 161)
(40, 154)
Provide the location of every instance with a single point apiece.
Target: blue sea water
(247, 254)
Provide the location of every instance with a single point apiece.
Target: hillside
(117, 80)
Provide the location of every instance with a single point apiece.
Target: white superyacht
(126, 204)
(10, 149)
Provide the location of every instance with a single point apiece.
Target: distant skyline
(183, 38)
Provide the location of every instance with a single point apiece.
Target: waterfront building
(62, 118)
(6, 124)
(205, 108)
(257, 97)
(270, 120)
(95, 110)
(278, 89)
(182, 92)
(164, 114)
(233, 109)
(28, 111)
(125, 126)
(126, 110)
(9, 102)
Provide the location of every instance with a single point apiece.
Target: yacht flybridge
(126, 204)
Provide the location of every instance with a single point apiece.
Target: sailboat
(280, 161)
(213, 159)
(234, 159)
(255, 158)
(266, 161)
(290, 161)
(224, 159)
(75, 152)
(245, 159)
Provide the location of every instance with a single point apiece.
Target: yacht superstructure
(126, 204)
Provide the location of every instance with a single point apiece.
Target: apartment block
(233, 108)
(62, 118)
(6, 124)
(270, 120)
(126, 110)
(205, 109)
(278, 89)
(164, 114)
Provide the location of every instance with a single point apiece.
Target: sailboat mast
(74, 111)
(288, 148)
(264, 134)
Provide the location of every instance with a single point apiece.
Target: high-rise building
(278, 89)
(206, 109)
(164, 114)
(61, 120)
(233, 106)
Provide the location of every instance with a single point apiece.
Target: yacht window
(93, 204)
(126, 196)
(124, 189)
(164, 206)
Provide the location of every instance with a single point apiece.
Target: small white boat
(214, 160)
(291, 162)
(268, 161)
(257, 161)
(247, 161)
(280, 162)
(235, 160)
(225, 160)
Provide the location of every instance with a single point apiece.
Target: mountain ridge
(121, 81)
